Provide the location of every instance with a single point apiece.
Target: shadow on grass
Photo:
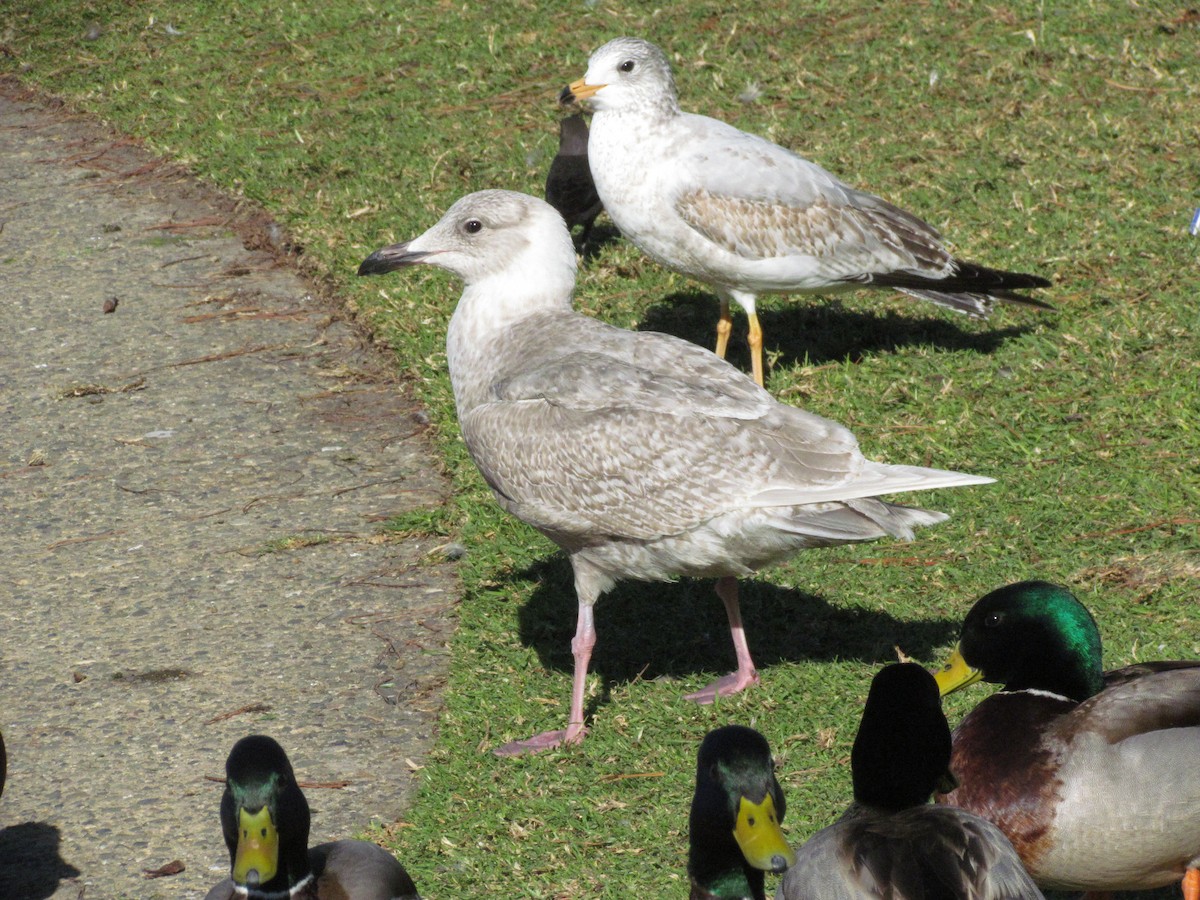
(815, 330)
(680, 630)
(601, 236)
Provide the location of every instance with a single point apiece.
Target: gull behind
(747, 216)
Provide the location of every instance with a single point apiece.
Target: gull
(641, 455)
(569, 185)
(746, 216)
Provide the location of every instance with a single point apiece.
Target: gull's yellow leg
(756, 349)
(724, 328)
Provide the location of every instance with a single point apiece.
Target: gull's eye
(472, 226)
(626, 66)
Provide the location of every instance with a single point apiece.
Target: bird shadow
(679, 630)
(30, 866)
(600, 236)
(812, 331)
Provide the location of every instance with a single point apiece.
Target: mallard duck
(3, 765)
(569, 185)
(641, 455)
(891, 843)
(265, 819)
(734, 836)
(748, 217)
(1095, 777)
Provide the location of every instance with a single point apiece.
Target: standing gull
(569, 185)
(642, 455)
(748, 217)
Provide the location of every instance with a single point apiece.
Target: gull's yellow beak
(758, 834)
(257, 857)
(956, 674)
(581, 90)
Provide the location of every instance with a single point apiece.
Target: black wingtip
(372, 265)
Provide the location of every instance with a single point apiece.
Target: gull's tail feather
(856, 520)
(971, 289)
(874, 480)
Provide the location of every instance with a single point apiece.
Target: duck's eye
(472, 226)
(991, 620)
(626, 66)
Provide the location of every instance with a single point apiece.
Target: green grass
(1056, 137)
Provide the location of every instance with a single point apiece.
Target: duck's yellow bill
(758, 834)
(257, 857)
(581, 90)
(956, 674)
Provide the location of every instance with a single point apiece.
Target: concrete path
(191, 486)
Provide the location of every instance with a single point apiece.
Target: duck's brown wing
(925, 853)
(1140, 699)
(359, 870)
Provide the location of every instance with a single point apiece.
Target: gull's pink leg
(581, 648)
(746, 674)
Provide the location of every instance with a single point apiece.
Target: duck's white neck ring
(274, 895)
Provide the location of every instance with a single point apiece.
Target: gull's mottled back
(642, 455)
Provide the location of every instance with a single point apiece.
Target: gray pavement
(191, 488)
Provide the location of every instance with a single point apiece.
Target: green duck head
(1029, 635)
(264, 817)
(902, 751)
(734, 832)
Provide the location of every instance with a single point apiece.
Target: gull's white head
(493, 237)
(627, 73)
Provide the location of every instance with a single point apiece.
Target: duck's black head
(1034, 634)
(264, 817)
(734, 833)
(902, 750)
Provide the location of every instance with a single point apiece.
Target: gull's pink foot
(724, 686)
(547, 740)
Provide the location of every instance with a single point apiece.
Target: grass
(1051, 137)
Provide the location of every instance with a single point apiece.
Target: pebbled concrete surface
(191, 487)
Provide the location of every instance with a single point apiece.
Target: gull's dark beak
(388, 259)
